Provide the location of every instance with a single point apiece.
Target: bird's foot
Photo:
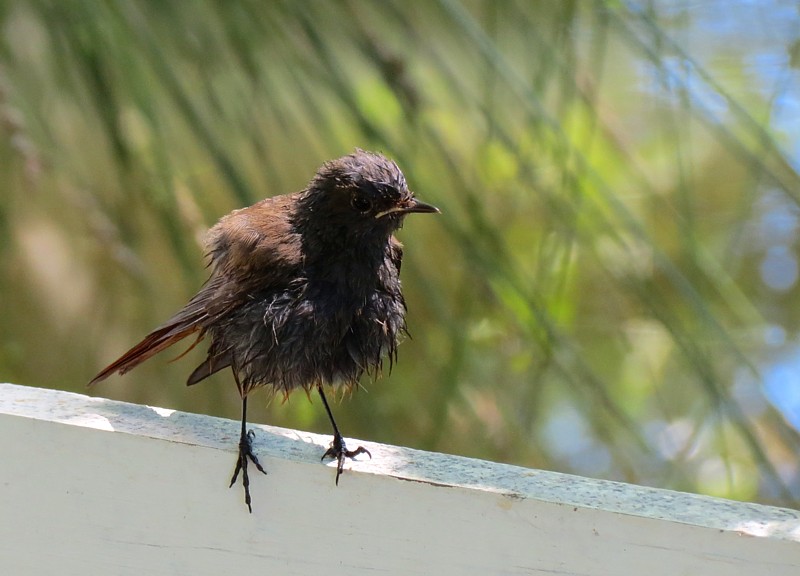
(245, 452)
(339, 451)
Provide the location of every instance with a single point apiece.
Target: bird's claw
(245, 452)
(338, 450)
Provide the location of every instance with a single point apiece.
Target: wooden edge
(406, 464)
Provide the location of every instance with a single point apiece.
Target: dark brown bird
(304, 292)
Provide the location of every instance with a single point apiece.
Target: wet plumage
(304, 289)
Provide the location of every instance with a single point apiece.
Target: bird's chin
(394, 221)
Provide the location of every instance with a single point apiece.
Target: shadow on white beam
(94, 486)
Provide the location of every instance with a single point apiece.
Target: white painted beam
(92, 486)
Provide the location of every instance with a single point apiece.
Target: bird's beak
(412, 205)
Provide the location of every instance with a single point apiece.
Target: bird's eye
(360, 203)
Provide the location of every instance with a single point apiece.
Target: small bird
(304, 292)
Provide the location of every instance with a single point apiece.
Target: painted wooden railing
(93, 486)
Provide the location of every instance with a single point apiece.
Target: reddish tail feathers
(180, 326)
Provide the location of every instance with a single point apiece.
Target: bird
(304, 293)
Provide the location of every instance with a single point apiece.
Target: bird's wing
(250, 249)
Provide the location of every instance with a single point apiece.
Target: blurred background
(610, 290)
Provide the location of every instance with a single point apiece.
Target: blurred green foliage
(615, 179)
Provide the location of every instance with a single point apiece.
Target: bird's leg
(338, 448)
(245, 452)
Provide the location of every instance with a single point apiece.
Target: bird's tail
(186, 322)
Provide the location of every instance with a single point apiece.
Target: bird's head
(361, 196)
